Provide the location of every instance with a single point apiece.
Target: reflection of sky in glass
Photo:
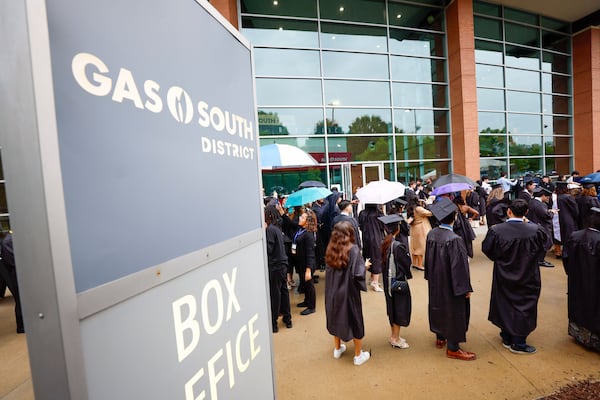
(310, 145)
(278, 62)
(416, 95)
(488, 75)
(288, 92)
(360, 39)
(297, 121)
(526, 141)
(412, 47)
(420, 121)
(523, 102)
(522, 57)
(413, 69)
(493, 121)
(349, 93)
(523, 80)
(355, 65)
(283, 37)
(490, 99)
(524, 123)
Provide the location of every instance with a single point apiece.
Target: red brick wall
(227, 8)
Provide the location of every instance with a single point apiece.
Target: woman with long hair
(344, 280)
(496, 206)
(303, 246)
(396, 268)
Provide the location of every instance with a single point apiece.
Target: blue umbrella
(451, 188)
(591, 178)
(307, 195)
(284, 155)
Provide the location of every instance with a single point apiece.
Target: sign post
(130, 153)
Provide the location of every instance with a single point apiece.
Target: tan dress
(419, 229)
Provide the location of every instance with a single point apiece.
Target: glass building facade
(523, 70)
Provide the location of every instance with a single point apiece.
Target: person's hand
(368, 263)
(308, 274)
(280, 209)
(468, 295)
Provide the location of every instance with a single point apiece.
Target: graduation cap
(588, 185)
(496, 185)
(540, 191)
(392, 219)
(442, 208)
(562, 185)
(595, 209)
(401, 200)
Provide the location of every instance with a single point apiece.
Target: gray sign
(130, 155)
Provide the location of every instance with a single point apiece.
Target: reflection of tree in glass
(269, 124)
(368, 124)
(491, 146)
(332, 127)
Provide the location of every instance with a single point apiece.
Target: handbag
(396, 284)
(399, 285)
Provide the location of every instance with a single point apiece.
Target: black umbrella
(453, 178)
(307, 184)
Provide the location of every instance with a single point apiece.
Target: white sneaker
(401, 344)
(376, 287)
(362, 358)
(337, 353)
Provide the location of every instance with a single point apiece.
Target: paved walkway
(305, 368)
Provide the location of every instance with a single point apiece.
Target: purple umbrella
(451, 188)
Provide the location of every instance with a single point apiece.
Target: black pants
(280, 296)
(310, 295)
(9, 275)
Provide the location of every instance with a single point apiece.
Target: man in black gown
(582, 264)
(449, 282)
(541, 215)
(515, 246)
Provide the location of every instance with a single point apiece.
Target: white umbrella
(284, 155)
(380, 192)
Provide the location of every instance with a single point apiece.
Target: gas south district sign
(157, 136)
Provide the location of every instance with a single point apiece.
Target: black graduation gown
(583, 269)
(462, 227)
(538, 213)
(372, 236)
(448, 279)
(352, 220)
(343, 304)
(568, 215)
(398, 305)
(495, 212)
(515, 248)
(584, 204)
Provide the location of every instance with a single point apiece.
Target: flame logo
(180, 105)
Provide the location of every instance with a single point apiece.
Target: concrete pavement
(305, 368)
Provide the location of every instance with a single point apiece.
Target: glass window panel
(557, 125)
(556, 41)
(358, 120)
(353, 10)
(558, 165)
(522, 101)
(416, 43)
(353, 37)
(556, 104)
(288, 92)
(418, 69)
(306, 8)
(492, 167)
(522, 35)
(290, 121)
(488, 28)
(1, 171)
(308, 144)
(520, 145)
(486, 8)
(281, 62)
(552, 83)
(490, 99)
(420, 147)
(414, 16)
(419, 95)
(524, 123)
(356, 93)
(409, 171)
(370, 148)
(520, 16)
(522, 57)
(491, 122)
(526, 166)
(421, 121)
(553, 62)
(521, 79)
(3, 203)
(492, 145)
(557, 145)
(355, 65)
(488, 75)
(280, 32)
(489, 53)
(556, 25)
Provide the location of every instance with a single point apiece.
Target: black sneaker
(275, 329)
(303, 304)
(308, 311)
(522, 349)
(546, 264)
(288, 324)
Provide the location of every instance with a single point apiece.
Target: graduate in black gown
(397, 261)
(585, 201)
(583, 268)
(372, 235)
(496, 205)
(515, 246)
(541, 215)
(449, 282)
(568, 212)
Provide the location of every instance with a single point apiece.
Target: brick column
(586, 100)
(227, 8)
(463, 88)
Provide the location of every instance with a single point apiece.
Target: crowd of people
(526, 219)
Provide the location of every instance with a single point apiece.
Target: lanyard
(299, 233)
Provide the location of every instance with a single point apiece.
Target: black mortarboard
(496, 185)
(442, 208)
(540, 191)
(588, 185)
(402, 201)
(561, 185)
(595, 209)
(390, 219)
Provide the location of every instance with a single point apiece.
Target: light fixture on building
(398, 16)
(275, 2)
(342, 9)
